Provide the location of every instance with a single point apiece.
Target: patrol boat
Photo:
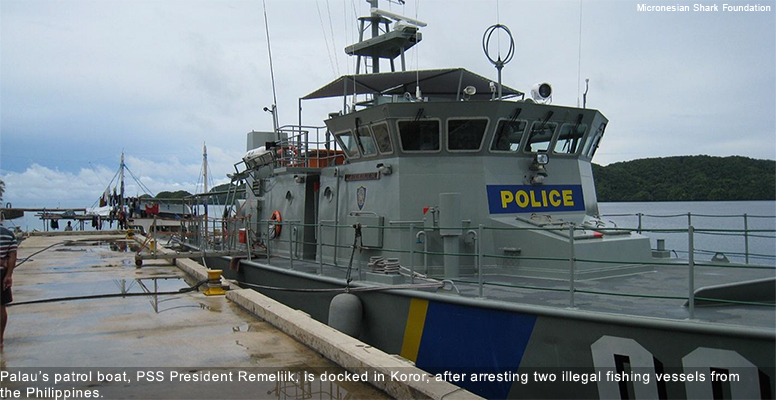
(459, 218)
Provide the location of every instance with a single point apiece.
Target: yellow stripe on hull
(413, 331)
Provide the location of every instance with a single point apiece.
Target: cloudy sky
(81, 80)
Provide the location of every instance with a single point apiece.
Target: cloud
(39, 186)
(82, 80)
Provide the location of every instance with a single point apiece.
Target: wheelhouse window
(592, 144)
(367, 142)
(540, 137)
(383, 138)
(419, 135)
(348, 143)
(570, 138)
(508, 135)
(465, 134)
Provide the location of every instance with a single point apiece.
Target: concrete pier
(187, 332)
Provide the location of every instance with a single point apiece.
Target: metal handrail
(479, 255)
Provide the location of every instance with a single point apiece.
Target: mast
(389, 44)
(121, 179)
(204, 179)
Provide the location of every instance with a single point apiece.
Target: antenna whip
(269, 50)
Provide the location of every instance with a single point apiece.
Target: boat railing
(487, 272)
(212, 233)
(741, 226)
(307, 147)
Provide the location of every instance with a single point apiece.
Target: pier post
(691, 263)
(746, 237)
(571, 266)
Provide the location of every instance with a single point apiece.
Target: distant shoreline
(686, 178)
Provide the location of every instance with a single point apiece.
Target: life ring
(276, 220)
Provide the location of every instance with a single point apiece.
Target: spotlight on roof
(542, 93)
(468, 92)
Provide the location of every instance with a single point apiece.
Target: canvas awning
(435, 82)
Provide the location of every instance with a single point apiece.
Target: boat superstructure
(442, 200)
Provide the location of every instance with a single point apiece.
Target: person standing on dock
(8, 249)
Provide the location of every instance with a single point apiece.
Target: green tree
(687, 178)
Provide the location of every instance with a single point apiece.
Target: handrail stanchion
(269, 239)
(479, 259)
(248, 238)
(320, 250)
(639, 215)
(412, 254)
(571, 266)
(691, 262)
(746, 237)
(291, 243)
(425, 254)
(689, 218)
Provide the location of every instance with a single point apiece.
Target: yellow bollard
(213, 286)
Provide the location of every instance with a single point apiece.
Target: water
(728, 215)
(762, 245)
(30, 222)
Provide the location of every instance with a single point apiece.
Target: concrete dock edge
(350, 353)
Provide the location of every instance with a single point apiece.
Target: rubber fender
(346, 314)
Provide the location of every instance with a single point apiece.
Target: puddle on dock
(116, 245)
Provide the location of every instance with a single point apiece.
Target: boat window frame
(361, 144)
(599, 134)
(519, 145)
(550, 142)
(482, 140)
(439, 135)
(390, 138)
(345, 149)
(580, 146)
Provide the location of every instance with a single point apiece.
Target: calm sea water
(727, 215)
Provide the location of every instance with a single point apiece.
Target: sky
(81, 81)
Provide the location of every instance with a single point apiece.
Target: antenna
(498, 62)
(121, 176)
(397, 17)
(271, 69)
(584, 96)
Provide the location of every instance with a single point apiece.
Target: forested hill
(687, 178)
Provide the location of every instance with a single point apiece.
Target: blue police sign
(509, 199)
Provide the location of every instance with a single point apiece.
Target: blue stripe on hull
(474, 340)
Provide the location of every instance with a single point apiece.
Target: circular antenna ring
(498, 62)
